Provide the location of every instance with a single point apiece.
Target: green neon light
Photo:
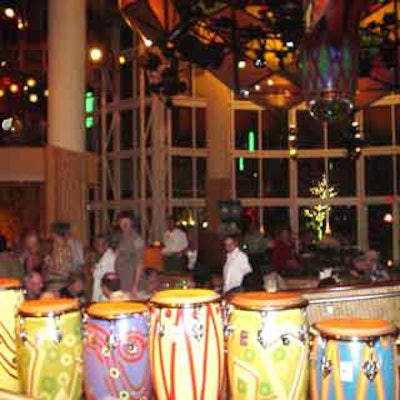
(89, 102)
(241, 164)
(89, 108)
(251, 141)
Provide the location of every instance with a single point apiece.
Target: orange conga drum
(186, 344)
(11, 296)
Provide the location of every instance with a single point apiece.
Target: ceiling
(217, 34)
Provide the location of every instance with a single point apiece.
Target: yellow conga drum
(354, 359)
(186, 344)
(11, 296)
(267, 345)
(49, 349)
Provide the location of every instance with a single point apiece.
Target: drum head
(115, 310)
(10, 283)
(183, 297)
(38, 308)
(355, 328)
(268, 301)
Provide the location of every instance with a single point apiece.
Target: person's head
(31, 242)
(126, 221)
(231, 242)
(171, 223)
(75, 284)
(3, 243)
(113, 240)
(100, 244)
(151, 275)
(372, 258)
(60, 230)
(110, 283)
(33, 284)
(284, 235)
(360, 264)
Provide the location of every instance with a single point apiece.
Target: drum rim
(12, 288)
(327, 333)
(355, 338)
(71, 305)
(183, 304)
(170, 302)
(116, 317)
(302, 305)
(124, 313)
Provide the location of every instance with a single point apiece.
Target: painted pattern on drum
(347, 379)
(10, 300)
(119, 369)
(50, 370)
(186, 352)
(268, 355)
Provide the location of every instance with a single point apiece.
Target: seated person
(111, 287)
(283, 255)
(74, 288)
(368, 268)
(33, 284)
(150, 285)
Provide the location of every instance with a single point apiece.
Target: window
(397, 119)
(342, 175)
(201, 171)
(126, 139)
(274, 127)
(309, 172)
(110, 180)
(343, 222)
(246, 123)
(126, 174)
(182, 182)
(378, 126)
(182, 127)
(309, 131)
(275, 177)
(379, 231)
(201, 127)
(337, 131)
(126, 86)
(379, 175)
(275, 218)
(247, 177)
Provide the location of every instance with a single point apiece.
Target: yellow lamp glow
(33, 98)
(9, 12)
(31, 82)
(96, 54)
(14, 88)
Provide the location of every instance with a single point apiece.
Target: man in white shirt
(237, 265)
(175, 245)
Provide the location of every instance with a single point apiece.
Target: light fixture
(33, 98)
(270, 82)
(96, 54)
(20, 24)
(9, 12)
(26, 88)
(241, 64)
(14, 88)
(245, 92)
(147, 42)
(31, 82)
(3, 63)
(293, 152)
(289, 44)
(257, 87)
(388, 218)
(122, 60)
(46, 93)
(2, 93)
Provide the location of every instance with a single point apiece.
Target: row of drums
(179, 346)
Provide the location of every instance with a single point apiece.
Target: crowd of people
(113, 269)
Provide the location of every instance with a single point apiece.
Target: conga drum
(49, 349)
(354, 359)
(116, 353)
(186, 344)
(11, 296)
(267, 345)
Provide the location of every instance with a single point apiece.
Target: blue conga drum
(354, 359)
(116, 352)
